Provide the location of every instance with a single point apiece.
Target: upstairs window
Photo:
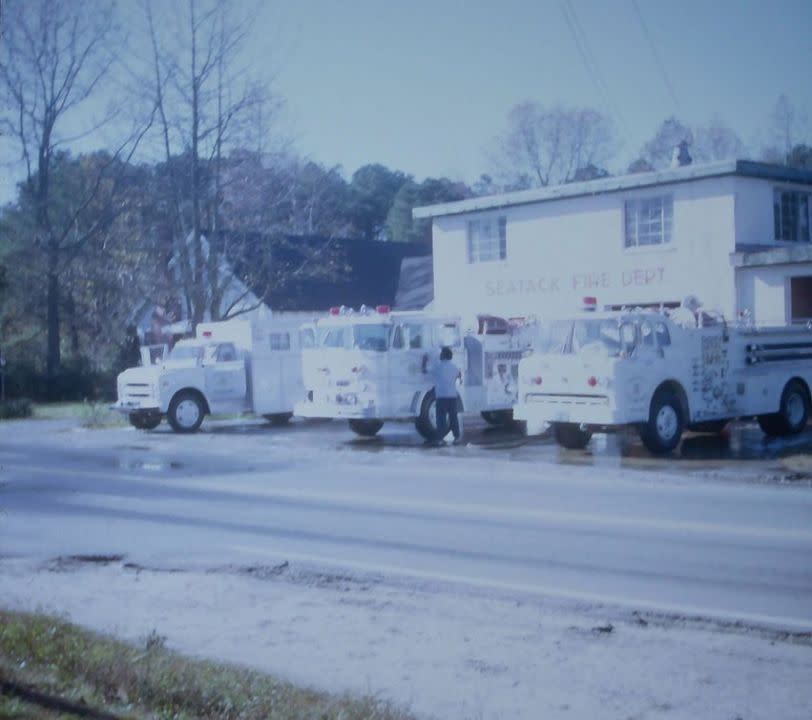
(649, 221)
(791, 216)
(487, 239)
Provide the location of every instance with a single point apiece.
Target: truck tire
(570, 436)
(278, 418)
(794, 410)
(366, 428)
(426, 422)
(145, 421)
(792, 415)
(497, 417)
(662, 433)
(186, 412)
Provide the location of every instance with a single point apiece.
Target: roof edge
(743, 168)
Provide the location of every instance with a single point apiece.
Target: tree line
(193, 182)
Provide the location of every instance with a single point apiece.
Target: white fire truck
(233, 366)
(369, 366)
(663, 372)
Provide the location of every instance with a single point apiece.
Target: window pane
(487, 239)
(280, 341)
(648, 221)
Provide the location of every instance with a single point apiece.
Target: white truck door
(406, 363)
(225, 375)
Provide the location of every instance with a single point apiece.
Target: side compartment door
(406, 364)
(226, 382)
(711, 380)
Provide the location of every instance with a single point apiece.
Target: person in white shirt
(445, 375)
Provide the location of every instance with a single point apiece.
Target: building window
(487, 239)
(649, 221)
(800, 299)
(280, 341)
(791, 215)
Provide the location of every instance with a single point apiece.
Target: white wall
(765, 291)
(755, 224)
(559, 251)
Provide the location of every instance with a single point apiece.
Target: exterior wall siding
(559, 251)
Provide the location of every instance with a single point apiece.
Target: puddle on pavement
(148, 465)
(739, 443)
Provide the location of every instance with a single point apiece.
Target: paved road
(500, 515)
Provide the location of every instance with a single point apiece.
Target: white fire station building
(734, 234)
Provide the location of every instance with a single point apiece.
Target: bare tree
(787, 127)
(658, 151)
(205, 101)
(54, 58)
(543, 146)
(715, 142)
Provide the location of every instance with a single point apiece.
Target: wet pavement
(740, 453)
(740, 447)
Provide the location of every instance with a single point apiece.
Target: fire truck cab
(663, 372)
(375, 365)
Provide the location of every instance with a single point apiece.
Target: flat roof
(687, 173)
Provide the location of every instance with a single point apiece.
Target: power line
(588, 58)
(657, 59)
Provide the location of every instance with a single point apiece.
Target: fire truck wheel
(186, 412)
(570, 436)
(278, 418)
(794, 411)
(662, 433)
(366, 428)
(145, 421)
(426, 422)
(497, 417)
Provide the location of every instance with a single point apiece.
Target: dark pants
(447, 413)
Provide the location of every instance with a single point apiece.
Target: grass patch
(87, 414)
(94, 671)
(13, 409)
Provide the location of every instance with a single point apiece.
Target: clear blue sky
(425, 86)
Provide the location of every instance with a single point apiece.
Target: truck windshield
(361, 337)
(604, 336)
(186, 352)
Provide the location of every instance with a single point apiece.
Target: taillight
(592, 381)
(536, 380)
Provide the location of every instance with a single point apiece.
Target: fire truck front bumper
(594, 410)
(134, 406)
(347, 406)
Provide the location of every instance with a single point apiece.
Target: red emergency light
(335, 310)
(383, 309)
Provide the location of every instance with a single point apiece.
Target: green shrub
(19, 408)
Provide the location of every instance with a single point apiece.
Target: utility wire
(588, 58)
(657, 59)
